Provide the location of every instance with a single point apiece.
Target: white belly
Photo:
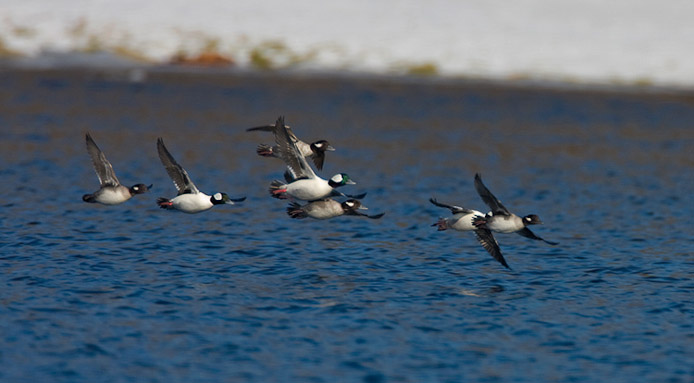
(309, 190)
(192, 203)
(463, 222)
(324, 209)
(113, 196)
(505, 224)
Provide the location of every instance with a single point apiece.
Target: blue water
(133, 293)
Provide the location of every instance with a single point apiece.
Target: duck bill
(350, 182)
(330, 148)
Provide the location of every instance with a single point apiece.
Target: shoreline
(132, 71)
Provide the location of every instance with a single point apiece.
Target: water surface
(244, 293)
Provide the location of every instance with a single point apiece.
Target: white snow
(613, 41)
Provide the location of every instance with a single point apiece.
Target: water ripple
(244, 293)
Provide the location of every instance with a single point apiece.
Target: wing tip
(89, 140)
(489, 243)
(280, 121)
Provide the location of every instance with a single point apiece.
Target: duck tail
(294, 210)
(265, 150)
(164, 203)
(441, 224)
(278, 189)
(89, 198)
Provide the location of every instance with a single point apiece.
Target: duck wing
(290, 153)
(264, 128)
(487, 240)
(178, 175)
(318, 159)
(269, 128)
(360, 214)
(527, 233)
(102, 167)
(454, 209)
(489, 198)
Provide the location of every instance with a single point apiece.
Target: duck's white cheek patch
(136, 188)
(217, 196)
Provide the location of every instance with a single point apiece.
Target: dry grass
(5, 51)
(276, 55)
(425, 69)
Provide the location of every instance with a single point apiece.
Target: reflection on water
(95, 293)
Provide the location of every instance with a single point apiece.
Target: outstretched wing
(269, 128)
(360, 214)
(487, 240)
(529, 234)
(336, 193)
(103, 168)
(289, 152)
(488, 198)
(264, 128)
(454, 209)
(178, 175)
(319, 160)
